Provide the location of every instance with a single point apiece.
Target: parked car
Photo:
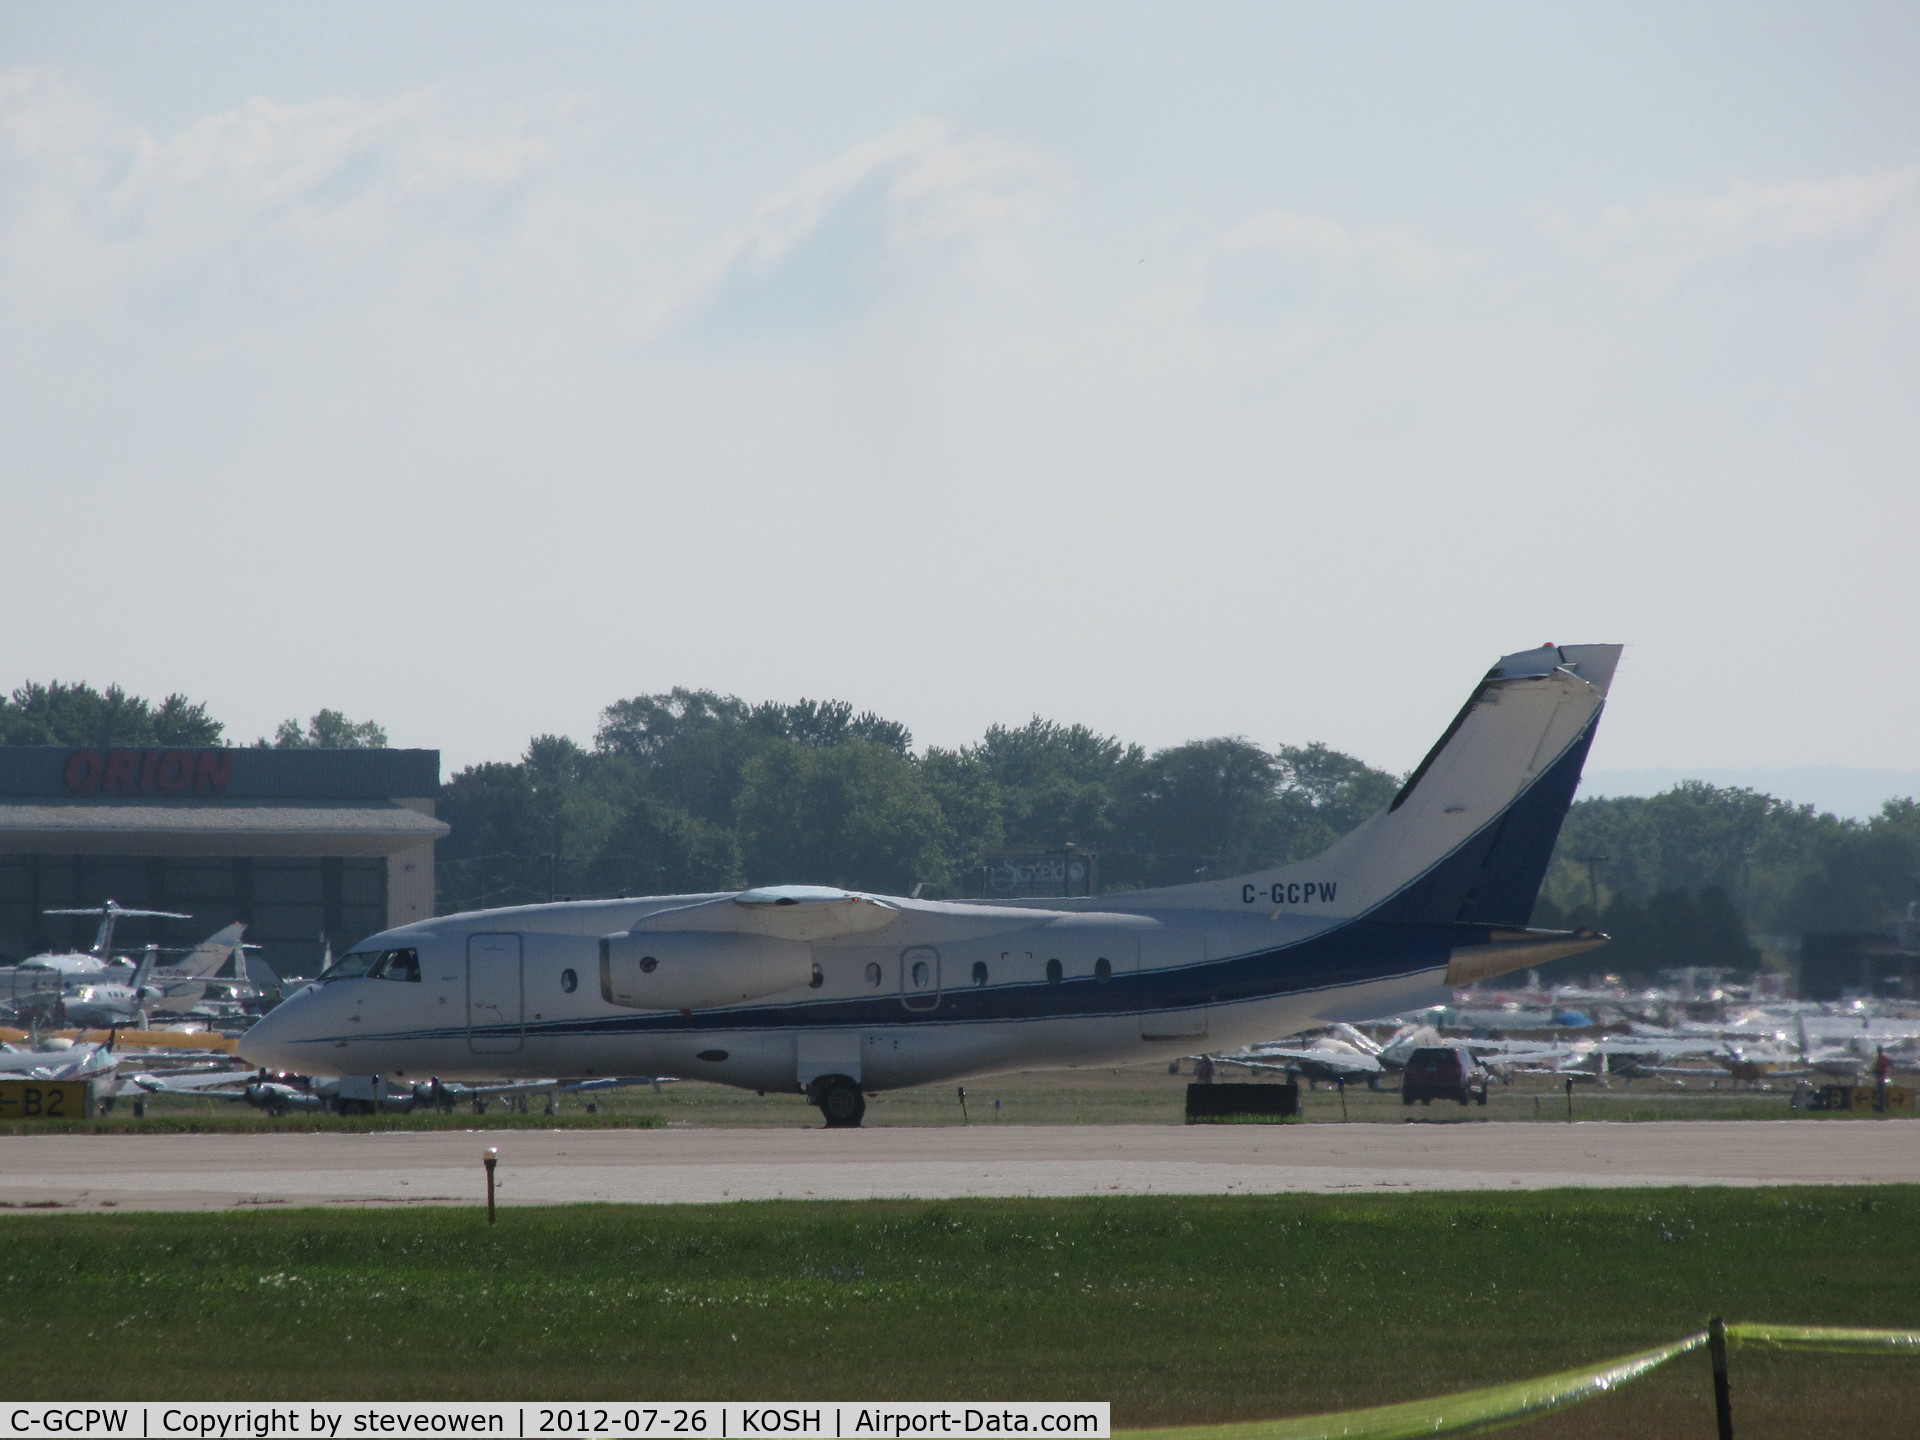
(1443, 1072)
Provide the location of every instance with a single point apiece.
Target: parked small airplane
(52, 972)
(360, 1094)
(58, 1059)
(838, 994)
(1335, 1058)
(117, 997)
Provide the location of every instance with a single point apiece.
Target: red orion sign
(148, 772)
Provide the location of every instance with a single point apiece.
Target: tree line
(57, 713)
(690, 790)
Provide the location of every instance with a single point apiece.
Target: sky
(1180, 370)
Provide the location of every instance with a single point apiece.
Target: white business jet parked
(39, 976)
(839, 994)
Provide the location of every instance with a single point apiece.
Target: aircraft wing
(1534, 1058)
(203, 1087)
(82, 1062)
(459, 1091)
(1351, 1064)
(194, 1080)
(782, 912)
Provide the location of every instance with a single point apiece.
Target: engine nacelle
(698, 969)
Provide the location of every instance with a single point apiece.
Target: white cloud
(1394, 249)
(88, 201)
(1284, 281)
(904, 202)
(1672, 236)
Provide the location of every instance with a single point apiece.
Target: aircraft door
(1160, 952)
(495, 1013)
(920, 977)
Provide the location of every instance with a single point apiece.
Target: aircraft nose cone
(277, 1040)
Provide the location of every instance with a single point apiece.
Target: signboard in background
(46, 1100)
(1898, 1099)
(1052, 874)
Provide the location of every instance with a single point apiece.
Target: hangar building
(308, 847)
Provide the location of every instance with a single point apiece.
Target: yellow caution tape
(1447, 1414)
(1825, 1337)
(127, 1038)
(1499, 1404)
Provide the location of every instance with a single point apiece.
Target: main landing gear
(839, 1099)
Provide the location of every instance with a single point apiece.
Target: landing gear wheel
(840, 1101)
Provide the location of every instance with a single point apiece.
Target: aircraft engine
(698, 969)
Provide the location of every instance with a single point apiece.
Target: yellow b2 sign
(46, 1100)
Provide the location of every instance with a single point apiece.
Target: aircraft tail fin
(1468, 837)
(206, 958)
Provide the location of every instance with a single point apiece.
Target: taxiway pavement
(55, 1173)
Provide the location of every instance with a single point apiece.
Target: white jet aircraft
(49, 974)
(838, 994)
(117, 996)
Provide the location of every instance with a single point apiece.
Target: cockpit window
(376, 965)
(399, 965)
(353, 965)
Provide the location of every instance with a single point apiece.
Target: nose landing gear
(839, 1099)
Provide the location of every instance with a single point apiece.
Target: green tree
(524, 831)
(686, 747)
(1862, 877)
(830, 722)
(1338, 790)
(328, 730)
(1058, 784)
(856, 814)
(1785, 868)
(495, 821)
(971, 805)
(1672, 930)
(654, 849)
(1203, 810)
(60, 714)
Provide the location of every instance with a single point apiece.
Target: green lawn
(1178, 1310)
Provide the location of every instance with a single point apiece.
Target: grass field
(1178, 1310)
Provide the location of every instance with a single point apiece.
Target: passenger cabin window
(818, 979)
(873, 972)
(1053, 972)
(1102, 970)
(569, 981)
(979, 972)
